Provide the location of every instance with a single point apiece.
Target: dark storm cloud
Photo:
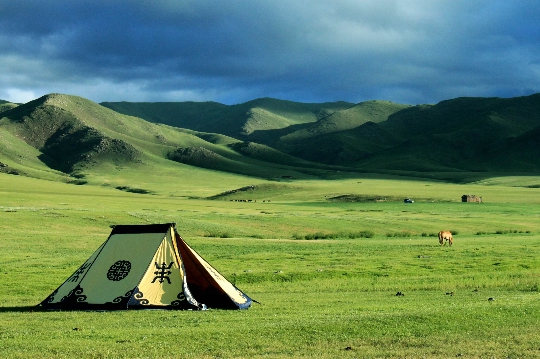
(234, 51)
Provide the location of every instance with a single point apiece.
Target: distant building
(471, 198)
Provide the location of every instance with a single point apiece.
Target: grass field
(326, 298)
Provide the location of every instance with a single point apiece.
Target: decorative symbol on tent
(139, 297)
(125, 297)
(75, 276)
(119, 270)
(50, 298)
(181, 297)
(76, 294)
(162, 273)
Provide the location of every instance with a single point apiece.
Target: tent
(146, 266)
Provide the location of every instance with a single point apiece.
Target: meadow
(324, 258)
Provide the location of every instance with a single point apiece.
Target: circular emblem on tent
(119, 270)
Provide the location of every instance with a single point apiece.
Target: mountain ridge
(69, 135)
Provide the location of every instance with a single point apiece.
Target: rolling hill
(70, 138)
(469, 134)
(243, 121)
(462, 134)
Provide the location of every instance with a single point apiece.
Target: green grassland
(300, 205)
(325, 259)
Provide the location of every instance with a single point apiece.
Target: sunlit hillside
(74, 139)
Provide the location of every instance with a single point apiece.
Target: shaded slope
(494, 117)
(18, 157)
(65, 140)
(344, 136)
(521, 153)
(342, 148)
(192, 115)
(234, 163)
(268, 154)
(459, 134)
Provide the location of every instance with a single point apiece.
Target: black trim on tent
(141, 228)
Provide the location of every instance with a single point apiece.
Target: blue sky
(238, 50)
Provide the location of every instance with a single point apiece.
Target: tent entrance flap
(208, 284)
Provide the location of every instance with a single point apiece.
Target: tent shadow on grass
(29, 308)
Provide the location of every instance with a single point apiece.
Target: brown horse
(445, 236)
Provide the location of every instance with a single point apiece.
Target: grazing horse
(445, 236)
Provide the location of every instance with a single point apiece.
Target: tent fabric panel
(73, 281)
(117, 270)
(163, 282)
(207, 284)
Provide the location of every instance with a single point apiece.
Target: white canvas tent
(146, 266)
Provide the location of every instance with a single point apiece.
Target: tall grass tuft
(334, 235)
(399, 234)
(217, 234)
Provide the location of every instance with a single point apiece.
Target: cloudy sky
(232, 51)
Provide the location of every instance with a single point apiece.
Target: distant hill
(240, 121)
(462, 134)
(192, 115)
(346, 119)
(75, 136)
(70, 138)
(344, 136)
